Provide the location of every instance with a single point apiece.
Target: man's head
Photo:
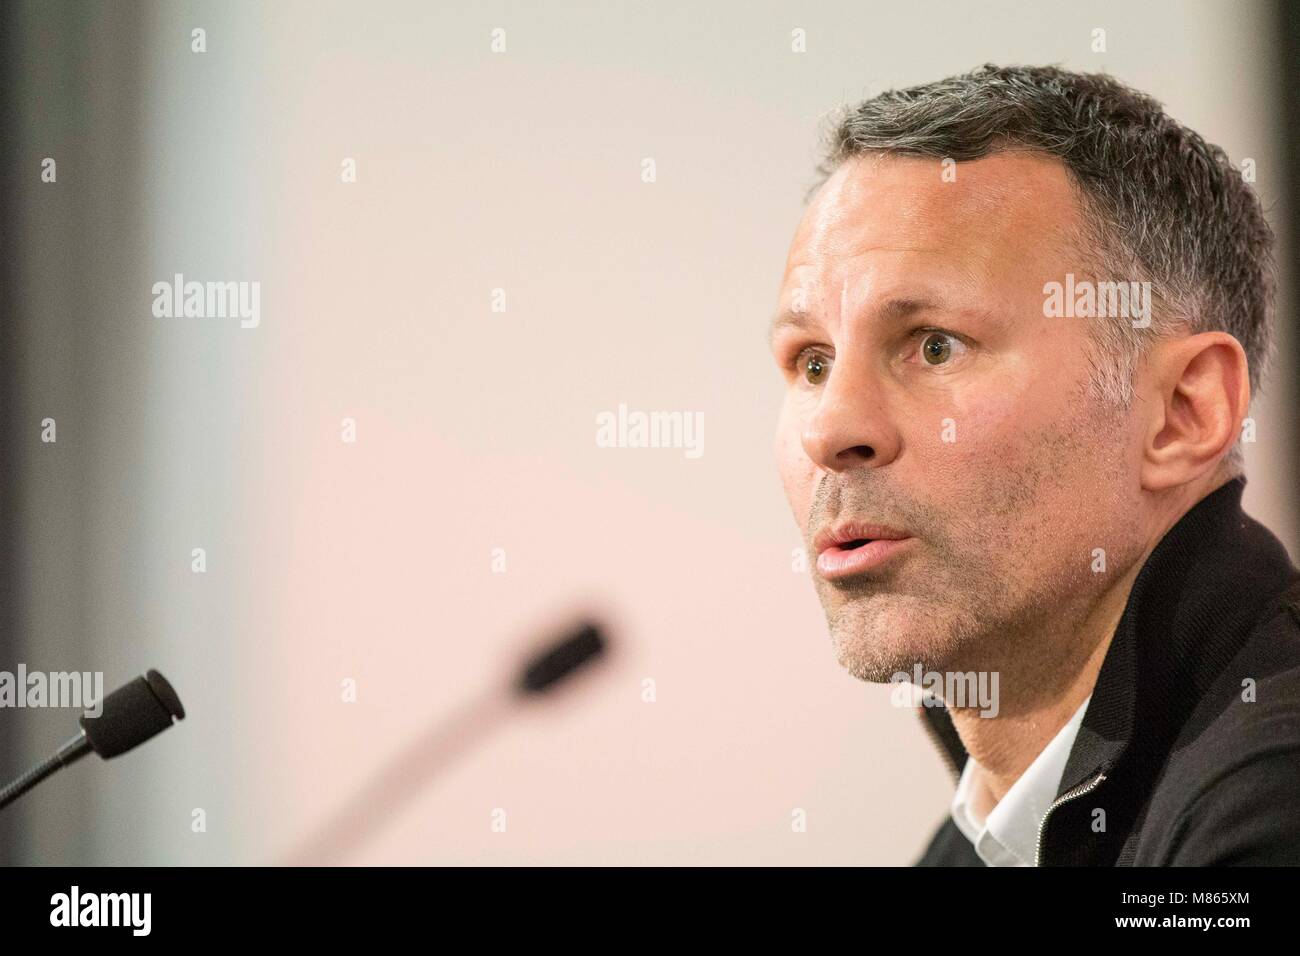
(957, 373)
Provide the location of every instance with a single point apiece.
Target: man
(1020, 325)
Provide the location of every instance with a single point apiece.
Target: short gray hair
(1161, 204)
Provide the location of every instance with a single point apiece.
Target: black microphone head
(132, 714)
(580, 645)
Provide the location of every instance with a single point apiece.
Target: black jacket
(1185, 768)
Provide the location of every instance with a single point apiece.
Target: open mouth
(859, 556)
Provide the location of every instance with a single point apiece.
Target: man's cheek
(991, 428)
(797, 472)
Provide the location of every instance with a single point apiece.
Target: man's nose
(850, 425)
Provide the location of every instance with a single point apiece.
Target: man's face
(926, 392)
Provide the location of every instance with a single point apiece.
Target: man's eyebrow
(891, 310)
(788, 318)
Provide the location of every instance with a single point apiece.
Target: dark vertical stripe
(10, 545)
(9, 332)
(1288, 94)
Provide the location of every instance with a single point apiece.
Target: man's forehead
(909, 204)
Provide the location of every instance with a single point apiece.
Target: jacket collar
(1186, 615)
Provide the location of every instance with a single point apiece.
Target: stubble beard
(988, 590)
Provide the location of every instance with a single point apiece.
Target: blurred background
(499, 273)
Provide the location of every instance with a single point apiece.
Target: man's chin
(874, 644)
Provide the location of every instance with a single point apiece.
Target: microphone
(129, 716)
(405, 774)
(583, 643)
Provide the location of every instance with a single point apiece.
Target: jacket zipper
(1064, 798)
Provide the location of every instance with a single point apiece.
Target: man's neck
(1040, 692)
(1004, 746)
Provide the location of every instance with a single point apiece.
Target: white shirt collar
(1008, 834)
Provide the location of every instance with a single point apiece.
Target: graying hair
(1161, 205)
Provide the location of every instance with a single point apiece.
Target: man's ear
(1199, 392)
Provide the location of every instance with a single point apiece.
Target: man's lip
(847, 531)
(836, 562)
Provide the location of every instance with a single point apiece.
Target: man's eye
(813, 366)
(938, 348)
